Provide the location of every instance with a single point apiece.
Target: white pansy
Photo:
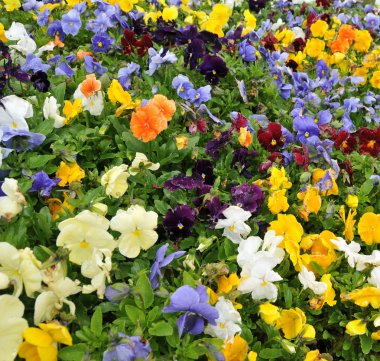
(48, 47)
(298, 32)
(374, 279)
(141, 159)
(307, 279)
(84, 233)
(234, 226)
(98, 269)
(228, 322)
(4, 281)
(25, 44)
(51, 111)
(13, 202)
(22, 269)
(50, 302)
(12, 326)
(270, 244)
(16, 32)
(14, 112)
(93, 104)
(136, 226)
(115, 181)
(351, 251)
(277, 25)
(258, 279)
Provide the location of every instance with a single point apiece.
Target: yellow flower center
(84, 244)
(180, 226)
(273, 142)
(71, 23)
(197, 96)
(232, 228)
(316, 120)
(182, 89)
(371, 144)
(264, 283)
(307, 134)
(100, 45)
(136, 232)
(14, 125)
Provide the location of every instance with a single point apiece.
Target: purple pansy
(161, 262)
(194, 302)
(71, 22)
(117, 292)
(247, 196)
(182, 181)
(21, 139)
(179, 222)
(101, 43)
(127, 348)
(247, 51)
(124, 74)
(215, 208)
(213, 67)
(214, 146)
(92, 66)
(43, 183)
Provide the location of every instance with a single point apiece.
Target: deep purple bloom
(43, 183)
(161, 262)
(215, 208)
(101, 43)
(117, 292)
(256, 5)
(214, 146)
(20, 139)
(40, 81)
(182, 181)
(213, 67)
(204, 171)
(194, 303)
(179, 222)
(71, 22)
(247, 196)
(127, 348)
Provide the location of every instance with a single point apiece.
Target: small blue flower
(92, 66)
(43, 183)
(21, 139)
(201, 95)
(101, 43)
(71, 22)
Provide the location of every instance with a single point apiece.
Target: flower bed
(185, 180)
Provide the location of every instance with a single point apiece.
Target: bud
(182, 142)
(305, 177)
(376, 322)
(117, 292)
(189, 262)
(205, 243)
(100, 208)
(352, 201)
(288, 346)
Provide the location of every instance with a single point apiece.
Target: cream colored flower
(12, 325)
(115, 181)
(22, 269)
(13, 202)
(142, 160)
(136, 226)
(51, 111)
(50, 302)
(84, 233)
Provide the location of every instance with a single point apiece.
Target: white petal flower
(13, 202)
(12, 326)
(22, 269)
(374, 279)
(141, 159)
(234, 226)
(307, 278)
(14, 112)
(94, 104)
(51, 111)
(136, 226)
(115, 181)
(84, 233)
(228, 322)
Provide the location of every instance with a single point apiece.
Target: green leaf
(188, 280)
(45, 127)
(161, 328)
(59, 92)
(38, 161)
(134, 314)
(144, 289)
(287, 295)
(366, 344)
(270, 353)
(73, 353)
(195, 350)
(97, 322)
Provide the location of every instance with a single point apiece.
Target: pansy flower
(272, 138)
(345, 142)
(179, 222)
(213, 67)
(369, 141)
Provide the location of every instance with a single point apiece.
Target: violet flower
(117, 292)
(179, 222)
(247, 196)
(124, 74)
(71, 22)
(43, 183)
(127, 348)
(161, 262)
(215, 208)
(214, 146)
(92, 66)
(182, 181)
(213, 67)
(204, 171)
(21, 139)
(194, 303)
(101, 43)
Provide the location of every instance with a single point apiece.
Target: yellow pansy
(227, 284)
(11, 5)
(319, 28)
(218, 18)
(314, 47)
(352, 201)
(250, 23)
(363, 72)
(57, 207)
(327, 297)
(314, 356)
(349, 222)
(116, 94)
(364, 297)
(41, 343)
(308, 332)
(213, 297)
(252, 356)
(291, 322)
(298, 58)
(356, 327)
(3, 38)
(235, 351)
(329, 35)
(278, 202)
(363, 41)
(375, 335)
(311, 201)
(278, 179)
(287, 226)
(72, 109)
(69, 173)
(318, 174)
(285, 37)
(182, 142)
(170, 13)
(369, 228)
(269, 313)
(375, 79)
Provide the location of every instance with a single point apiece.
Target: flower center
(264, 283)
(231, 228)
(84, 244)
(371, 144)
(14, 125)
(273, 142)
(100, 45)
(71, 23)
(316, 120)
(182, 89)
(180, 225)
(136, 232)
(307, 134)
(197, 96)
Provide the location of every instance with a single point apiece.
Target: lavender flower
(21, 139)
(43, 183)
(127, 348)
(117, 292)
(71, 22)
(158, 58)
(161, 262)
(101, 43)
(199, 96)
(247, 51)
(92, 66)
(194, 303)
(124, 75)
